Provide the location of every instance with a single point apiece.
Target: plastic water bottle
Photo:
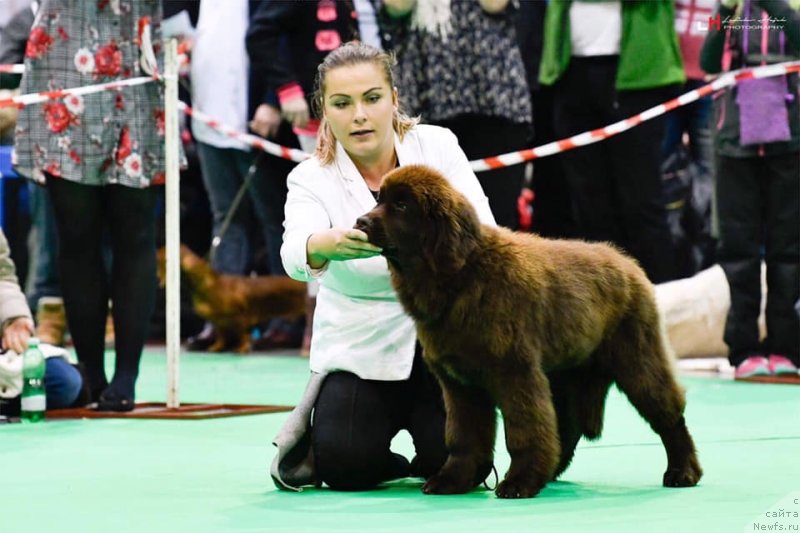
(34, 402)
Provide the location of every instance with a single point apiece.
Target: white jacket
(359, 326)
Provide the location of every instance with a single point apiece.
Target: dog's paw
(687, 476)
(218, 346)
(444, 484)
(517, 488)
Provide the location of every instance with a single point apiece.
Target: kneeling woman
(368, 381)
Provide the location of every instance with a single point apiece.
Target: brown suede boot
(51, 320)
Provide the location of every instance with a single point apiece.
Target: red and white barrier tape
(514, 158)
(12, 69)
(254, 141)
(590, 137)
(35, 98)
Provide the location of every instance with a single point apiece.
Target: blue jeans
(44, 280)
(62, 383)
(224, 170)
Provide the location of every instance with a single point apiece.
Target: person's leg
(222, 175)
(62, 383)
(131, 216)
(351, 433)
(739, 201)
(43, 286)
(552, 205)
(268, 196)
(44, 282)
(701, 147)
(676, 122)
(782, 223)
(701, 143)
(79, 211)
(582, 102)
(636, 159)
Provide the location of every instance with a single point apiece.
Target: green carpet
(211, 475)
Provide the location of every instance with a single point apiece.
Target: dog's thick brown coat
(538, 328)
(236, 304)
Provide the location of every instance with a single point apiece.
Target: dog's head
(420, 216)
(189, 261)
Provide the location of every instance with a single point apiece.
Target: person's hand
(338, 244)
(494, 7)
(266, 121)
(295, 110)
(16, 334)
(399, 8)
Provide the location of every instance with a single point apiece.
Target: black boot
(203, 340)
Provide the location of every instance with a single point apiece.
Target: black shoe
(111, 401)
(203, 340)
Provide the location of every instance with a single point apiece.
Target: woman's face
(359, 105)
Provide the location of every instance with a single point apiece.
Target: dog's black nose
(363, 223)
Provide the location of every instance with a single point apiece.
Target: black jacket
(283, 40)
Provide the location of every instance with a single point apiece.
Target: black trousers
(83, 214)
(483, 136)
(355, 420)
(615, 184)
(759, 217)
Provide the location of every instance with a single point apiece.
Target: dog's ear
(454, 235)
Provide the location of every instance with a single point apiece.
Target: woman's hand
(16, 334)
(338, 244)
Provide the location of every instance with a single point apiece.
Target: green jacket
(649, 53)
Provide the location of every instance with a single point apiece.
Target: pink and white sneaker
(755, 365)
(781, 365)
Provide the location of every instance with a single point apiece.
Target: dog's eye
(400, 205)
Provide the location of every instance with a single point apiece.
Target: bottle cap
(33, 341)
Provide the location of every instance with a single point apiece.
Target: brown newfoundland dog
(538, 328)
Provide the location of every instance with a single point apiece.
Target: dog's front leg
(469, 435)
(531, 434)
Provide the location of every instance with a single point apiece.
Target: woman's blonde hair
(353, 53)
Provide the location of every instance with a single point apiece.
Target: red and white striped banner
(590, 137)
(36, 98)
(12, 69)
(254, 141)
(515, 158)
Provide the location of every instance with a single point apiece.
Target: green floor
(141, 475)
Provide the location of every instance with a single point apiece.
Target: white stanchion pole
(172, 138)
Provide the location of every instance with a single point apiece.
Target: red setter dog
(236, 304)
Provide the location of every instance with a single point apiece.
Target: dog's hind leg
(565, 394)
(643, 373)
(531, 433)
(470, 432)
